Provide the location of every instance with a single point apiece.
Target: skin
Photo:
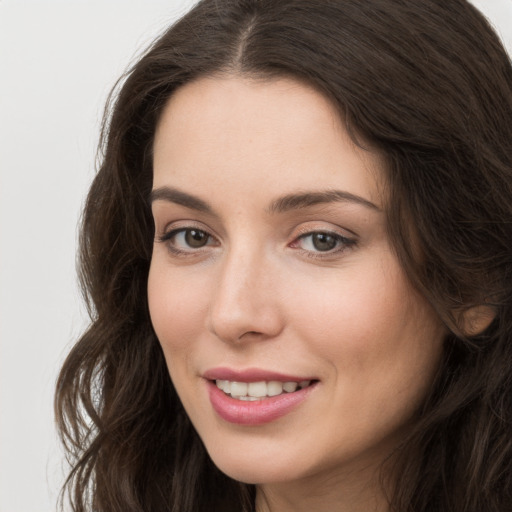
(261, 294)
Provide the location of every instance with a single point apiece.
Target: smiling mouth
(254, 391)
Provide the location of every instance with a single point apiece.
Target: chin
(257, 466)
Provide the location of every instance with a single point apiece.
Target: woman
(297, 256)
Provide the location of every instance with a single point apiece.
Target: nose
(245, 305)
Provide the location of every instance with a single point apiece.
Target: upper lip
(251, 375)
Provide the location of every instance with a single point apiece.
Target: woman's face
(272, 265)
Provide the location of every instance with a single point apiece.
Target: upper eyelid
(302, 230)
(326, 232)
(339, 237)
(332, 229)
(184, 224)
(168, 233)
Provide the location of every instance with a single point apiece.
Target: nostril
(250, 333)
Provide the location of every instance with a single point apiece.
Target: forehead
(235, 131)
(251, 98)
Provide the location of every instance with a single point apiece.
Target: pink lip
(251, 375)
(257, 412)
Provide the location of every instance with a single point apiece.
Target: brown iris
(323, 241)
(196, 238)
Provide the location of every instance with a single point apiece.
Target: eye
(194, 238)
(185, 240)
(322, 242)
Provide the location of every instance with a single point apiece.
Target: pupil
(324, 242)
(196, 238)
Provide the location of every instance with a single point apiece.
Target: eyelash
(342, 243)
(168, 237)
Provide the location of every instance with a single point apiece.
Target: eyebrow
(295, 201)
(302, 200)
(173, 195)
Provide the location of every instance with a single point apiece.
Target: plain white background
(58, 61)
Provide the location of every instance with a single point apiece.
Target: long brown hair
(428, 85)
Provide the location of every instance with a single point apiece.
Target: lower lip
(256, 412)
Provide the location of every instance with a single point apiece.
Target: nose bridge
(245, 300)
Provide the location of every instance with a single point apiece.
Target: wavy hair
(425, 83)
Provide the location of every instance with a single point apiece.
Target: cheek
(370, 323)
(382, 344)
(177, 305)
(355, 307)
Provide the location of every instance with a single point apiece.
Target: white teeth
(239, 388)
(225, 385)
(257, 390)
(274, 388)
(290, 387)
